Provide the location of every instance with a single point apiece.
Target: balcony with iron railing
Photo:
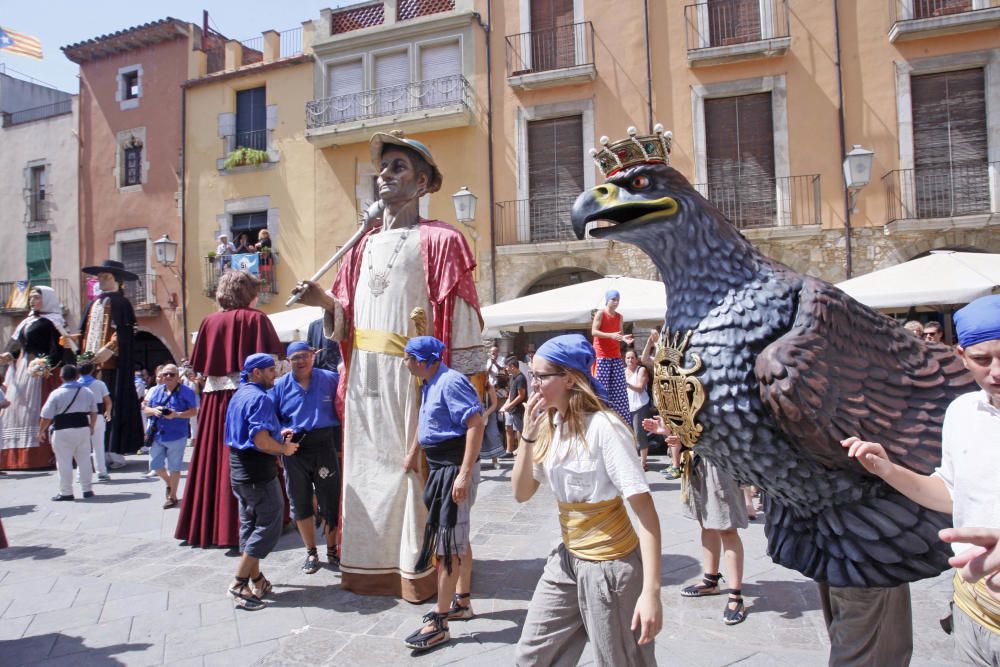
(421, 106)
(38, 206)
(559, 56)
(141, 294)
(918, 19)
(722, 31)
(967, 191)
(538, 220)
(763, 202)
(14, 294)
(217, 265)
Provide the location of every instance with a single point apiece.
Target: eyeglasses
(931, 334)
(168, 375)
(538, 377)
(299, 357)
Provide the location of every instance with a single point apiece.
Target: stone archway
(560, 278)
(149, 351)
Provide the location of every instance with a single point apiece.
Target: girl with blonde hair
(602, 582)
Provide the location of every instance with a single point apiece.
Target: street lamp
(465, 205)
(857, 172)
(166, 250)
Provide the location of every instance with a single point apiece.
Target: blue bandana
(979, 321)
(426, 349)
(611, 294)
(297, 346)
(259, 360)
(573, 351)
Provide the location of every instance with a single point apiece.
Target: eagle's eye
(639, 182)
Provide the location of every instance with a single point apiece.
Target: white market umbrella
(943, 277)
(565, 307)
(293, 324)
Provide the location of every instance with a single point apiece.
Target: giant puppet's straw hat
(113, 267)
(380, 140)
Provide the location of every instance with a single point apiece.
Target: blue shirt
(306, 410)
(182, 399)
(449, 399)
(251, 410)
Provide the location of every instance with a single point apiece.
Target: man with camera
(304, 401)
(169, 405)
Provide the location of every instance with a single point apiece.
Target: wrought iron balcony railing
(944, 191)
(553, 49)
(754, 202)
(910, 10)
(14, 299)
(216, 265)
(38, 206)
(142, 292)
(539, 220)
(730, 22)
(255, 139)
(445, 91)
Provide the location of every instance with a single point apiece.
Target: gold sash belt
(976, 601)
(373, 340)
(597, 531)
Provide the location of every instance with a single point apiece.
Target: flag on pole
(20, 44)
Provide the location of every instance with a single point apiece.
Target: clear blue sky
(59, 23)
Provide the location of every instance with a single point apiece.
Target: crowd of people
(379, 456)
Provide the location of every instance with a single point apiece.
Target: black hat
(112, 266)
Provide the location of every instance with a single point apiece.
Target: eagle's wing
(844, 369)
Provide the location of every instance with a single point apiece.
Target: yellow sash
(597, 531)
(976, 601)
(373, 340)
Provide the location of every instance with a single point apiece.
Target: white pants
(69, 444)
(97, 445)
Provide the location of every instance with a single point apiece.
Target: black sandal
(709, 585)
(734, 616)
(332, 558)
(422, 641)
(457, 612)
(242, 594)
(261, 586)
(311, 564)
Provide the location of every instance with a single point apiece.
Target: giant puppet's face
(107, 281)
(398, 180)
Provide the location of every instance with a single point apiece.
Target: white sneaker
(151, 473)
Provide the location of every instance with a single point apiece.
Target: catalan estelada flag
(20, 44)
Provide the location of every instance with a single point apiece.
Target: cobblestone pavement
(103, 582)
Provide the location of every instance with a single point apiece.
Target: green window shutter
(39, 256)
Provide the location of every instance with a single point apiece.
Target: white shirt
(602, 468)
(970, 461)
(529, 375)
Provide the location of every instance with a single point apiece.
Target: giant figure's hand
(314, 295)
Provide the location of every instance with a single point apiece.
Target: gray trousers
(576, 600)
(868, 627)
(974, 642)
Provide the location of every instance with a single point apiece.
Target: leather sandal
(457, 612)
(730, 615)
(422, 641)
(709, 585)
(311, 564)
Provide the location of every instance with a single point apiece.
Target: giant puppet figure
(107, 332)
(403, 263)
(763, 371)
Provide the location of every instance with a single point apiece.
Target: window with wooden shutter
(951, 171)
(39, 258)
(552, 35)
(133, 256)
(733, 21)
(392, 79)
(251, 119)
(346, 82)
(740, 154)
(555, 175)
(440, 74)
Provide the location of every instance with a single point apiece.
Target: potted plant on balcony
(244, 157)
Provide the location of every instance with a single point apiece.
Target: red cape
(227, 338)
(448, 265)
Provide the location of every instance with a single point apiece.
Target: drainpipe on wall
(849, 267)
(488, 29)
(649, 66)
(183, 276)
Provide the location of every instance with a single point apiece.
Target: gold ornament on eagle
(678, 396)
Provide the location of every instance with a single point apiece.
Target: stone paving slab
(103, 582)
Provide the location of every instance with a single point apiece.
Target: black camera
(164, 411)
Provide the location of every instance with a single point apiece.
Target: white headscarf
(50, 309)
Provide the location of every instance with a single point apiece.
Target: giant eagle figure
(791, 366)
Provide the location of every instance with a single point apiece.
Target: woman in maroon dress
(209, 515)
